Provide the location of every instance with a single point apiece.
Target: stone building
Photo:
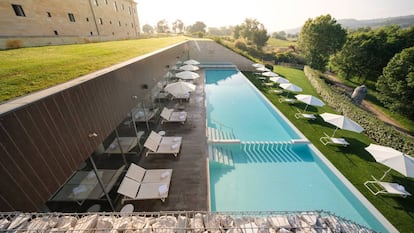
(25, 23)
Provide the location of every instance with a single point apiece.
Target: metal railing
(178, 222)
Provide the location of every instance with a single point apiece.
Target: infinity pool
(265, 171)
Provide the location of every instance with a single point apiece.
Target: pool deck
(189, 185)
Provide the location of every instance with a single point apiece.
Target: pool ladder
(221, 155)
(270, 151)
(221, 136)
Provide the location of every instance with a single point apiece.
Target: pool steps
(221, 155)
(221, 136)
(268, 151)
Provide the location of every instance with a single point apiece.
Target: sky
(275, 15)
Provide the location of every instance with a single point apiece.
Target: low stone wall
(179, 222)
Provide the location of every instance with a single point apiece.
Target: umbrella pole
(145, 115)
(306, 108)
(385, 173)
(334, 132)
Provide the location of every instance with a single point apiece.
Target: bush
(240, 45)
(269, 66)
(375, 129)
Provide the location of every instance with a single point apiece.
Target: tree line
(384, 56)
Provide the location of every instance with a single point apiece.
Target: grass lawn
(353, 161)
(27, 70)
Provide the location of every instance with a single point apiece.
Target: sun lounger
(287, 100)
(142, 184)
(169, 115)
(157, 144)
(309, 116)
(331, 140)
(378, 187)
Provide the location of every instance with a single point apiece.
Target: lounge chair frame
(325, 140)
(157, 144)
(169, 115)
(142, 184)
(379, 187)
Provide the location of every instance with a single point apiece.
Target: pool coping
(374, 211)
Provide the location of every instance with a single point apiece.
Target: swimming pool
(266, 171)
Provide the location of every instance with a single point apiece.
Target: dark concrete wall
(44, 136)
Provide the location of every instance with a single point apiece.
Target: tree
(162, 26)
(148, 29)
(252, 31)
(320, 38)
(366, 53)
(260, 37)
(280, 35)
(178, 26)
(197, 27)
(396, 84)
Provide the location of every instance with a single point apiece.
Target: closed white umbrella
(188, 75)
(392, 158)
(192, 62)
(310, 100)
(179, 88)
(189, 67)
(257, 65)
(341, 122)
(270, 74)
(279, 79)
(262, 69)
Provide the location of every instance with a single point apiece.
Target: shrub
(375, 129)
(269, 66)
(240, 45)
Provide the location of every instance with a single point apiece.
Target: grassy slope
(353, 161)
(31, 69)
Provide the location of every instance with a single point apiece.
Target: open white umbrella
(192, 62)
(179, 88)
(309, 100)
(189, 67)
(188, 75)
(392, 158)
(270, 74)
(279, 79)
(291, 87)
(341, 122)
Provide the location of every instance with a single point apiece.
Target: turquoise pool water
(264, 172)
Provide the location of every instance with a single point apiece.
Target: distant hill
(403, 21)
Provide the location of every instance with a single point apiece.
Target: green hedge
(375, 129)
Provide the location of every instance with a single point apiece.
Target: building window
(71, 17)
(110, 21)
(119, 23)
(18, 9)
(123, 7)
(100, 21)
(96, 3)
(132, 25)
(56, 33)
(91, 33)
(129, 9)
(87, 19)
(106, 1)
(49, 14)
(116, 6)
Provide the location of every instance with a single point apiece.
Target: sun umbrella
(270, 74)
(291, 87)
(341, 122)
(257, 65)
(279, 79)
(189, 67)
(188, 75)
(262, 69)
(392, 158)
(310, 100)
(179, 88)
(192, 62)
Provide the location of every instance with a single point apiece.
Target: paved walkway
(188, 190)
